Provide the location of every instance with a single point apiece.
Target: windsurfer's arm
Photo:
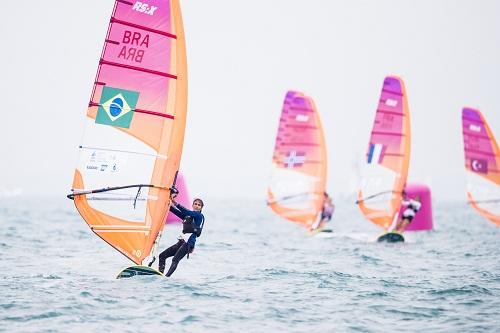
(174, 209)
(184, 210)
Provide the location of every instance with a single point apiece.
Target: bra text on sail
(133, 39)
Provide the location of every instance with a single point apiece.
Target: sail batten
(130, 24)
(137, 68)
(163, 157)
(134, 129)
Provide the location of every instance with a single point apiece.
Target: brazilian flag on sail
(116, 107)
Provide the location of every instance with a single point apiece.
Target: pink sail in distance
(299, 173)
(387, 157)
(182, 198)
(482, 162)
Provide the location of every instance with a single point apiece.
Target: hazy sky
(243, 56)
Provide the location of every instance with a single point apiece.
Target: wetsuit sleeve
(177, 212)
(184, 210)
(197, 216)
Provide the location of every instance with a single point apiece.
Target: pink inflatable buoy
(423, 219)
(182, 198)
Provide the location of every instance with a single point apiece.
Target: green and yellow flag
(116, 107)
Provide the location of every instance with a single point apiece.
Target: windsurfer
(326, 212)
(192, 225)
(412, 207)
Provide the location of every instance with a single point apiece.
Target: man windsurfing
(192, 225)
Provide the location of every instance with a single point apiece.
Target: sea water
(251, 272)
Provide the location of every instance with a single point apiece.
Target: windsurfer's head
(198, 205)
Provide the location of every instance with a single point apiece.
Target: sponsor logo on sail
(302, 118)
(475, 128)
(144, 8)
(391, 102)
(116, 107)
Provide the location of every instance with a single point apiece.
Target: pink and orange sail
(387, 157)
(134, 127)
(299, 173)
(482, 162)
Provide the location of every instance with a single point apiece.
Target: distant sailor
(192, 225)
(412, 207)
(326, 212)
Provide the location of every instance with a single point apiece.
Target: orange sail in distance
(482, 163)
(299, 173)
(387, 157)
(134, 127)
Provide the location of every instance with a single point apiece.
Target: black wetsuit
(192, 223)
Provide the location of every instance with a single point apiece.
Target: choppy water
(251, 272)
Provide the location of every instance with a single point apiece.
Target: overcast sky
(243, 56)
